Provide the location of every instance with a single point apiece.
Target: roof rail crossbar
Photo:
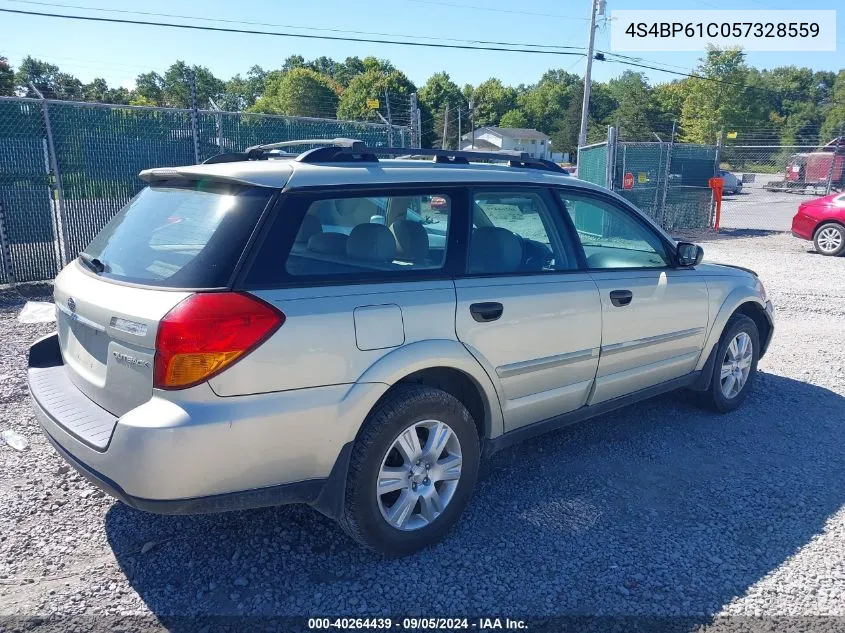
(255, 152)
(513, 158)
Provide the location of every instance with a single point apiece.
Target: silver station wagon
(356, 333)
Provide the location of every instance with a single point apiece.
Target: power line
(220, 29)
(690, 75)
(511, 11)
(288, 26)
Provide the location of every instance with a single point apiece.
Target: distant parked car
(733, 184)
(438, 203)
(823, 221)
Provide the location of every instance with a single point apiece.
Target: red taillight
(206, 333)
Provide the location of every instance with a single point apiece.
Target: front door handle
(621, 298)
(487, 311)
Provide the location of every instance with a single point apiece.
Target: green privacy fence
(66, 168)
(667, 181)
(592, 163)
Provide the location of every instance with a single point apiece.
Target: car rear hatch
(174, 239)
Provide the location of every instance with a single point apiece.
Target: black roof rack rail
(353, 150)
(262, 152)
(441, 156)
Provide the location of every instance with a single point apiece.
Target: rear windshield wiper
(92, 262)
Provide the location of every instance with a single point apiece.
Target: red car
(823, 222)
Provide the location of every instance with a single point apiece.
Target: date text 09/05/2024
(417, 624)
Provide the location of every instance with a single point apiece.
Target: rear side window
(179, 236)
(355, 236)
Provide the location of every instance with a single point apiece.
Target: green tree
(7, 78)
(97, 90)
(299, 92)
(720, 99)
(294, 61)
(371, 85)
(149, 89)
(668, 101)
(177, 85)
(438, 92)
(635, 108)
(834, 120)
(513, 118)
(491, 99)
(48, 79)
(240, 93)
(545, 103)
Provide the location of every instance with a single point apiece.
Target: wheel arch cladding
(445, 365)
(757, 313)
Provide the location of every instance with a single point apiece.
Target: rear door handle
(487, 311)
(621, 298)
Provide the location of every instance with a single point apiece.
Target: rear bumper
(803, 226)
(205, 453)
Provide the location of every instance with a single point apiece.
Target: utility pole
(389, 118)
(445, 142)
(459, 127)
(194, 116)
(595, 7)
(414, 129)
(472, 121)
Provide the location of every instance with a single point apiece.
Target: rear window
(179, 236)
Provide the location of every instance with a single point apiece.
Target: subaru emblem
(71, 304)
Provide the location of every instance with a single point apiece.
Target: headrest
(310, 226)
(328, 243)
(494, 250)
(371, 242)
(411, 240)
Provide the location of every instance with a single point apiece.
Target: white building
(519, 139)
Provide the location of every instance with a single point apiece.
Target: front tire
(736, 364)
(830, 239)
(412, 471)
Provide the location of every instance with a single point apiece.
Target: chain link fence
(669, 181)
(764, 185)
(66, 168)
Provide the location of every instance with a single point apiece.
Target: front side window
(363, 234)
(610, 237)
(515, 232)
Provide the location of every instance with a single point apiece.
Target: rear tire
(736, 364)
(830, 239)
(412, 471)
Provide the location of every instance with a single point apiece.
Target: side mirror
(689, 254)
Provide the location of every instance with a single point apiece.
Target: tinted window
(363, 234)
(180, 237)
(611, 238)
(515, 232)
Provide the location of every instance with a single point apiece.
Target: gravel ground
(659, 509)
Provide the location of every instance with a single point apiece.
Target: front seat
(411, 240)
(371, 243)
(494, 249)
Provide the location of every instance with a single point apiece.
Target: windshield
(178, 236)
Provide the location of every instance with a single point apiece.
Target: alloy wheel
(736, 365)
(829, 239)
(419, 475)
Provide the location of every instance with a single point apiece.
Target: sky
(119, 53)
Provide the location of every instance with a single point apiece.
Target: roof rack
(351, 150)
(263, 152)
